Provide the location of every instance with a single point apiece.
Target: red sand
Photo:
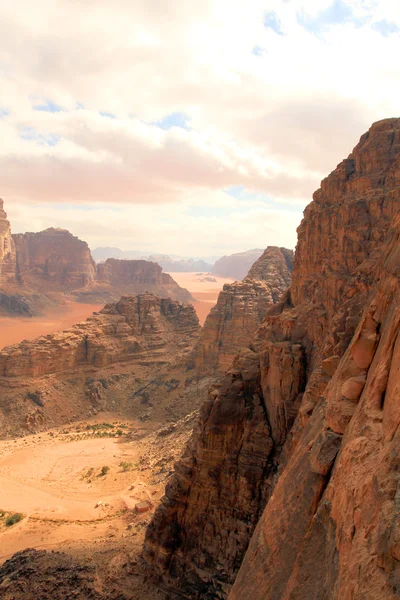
(14, 330)
(204, 292)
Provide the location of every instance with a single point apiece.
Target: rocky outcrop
(130, 358)
(305, 423)
(7, 250)
(240, 310)
(53, 259)
(139, 276)
(39, 270)
(133, 328)
(236, 265)
(274, 266)
(33, 574)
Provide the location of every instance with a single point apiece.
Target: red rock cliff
(320, 378)
(138, 276)
(240, 310)
(53, 259)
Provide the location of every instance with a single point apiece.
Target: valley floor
(14, 330)
(77, 488)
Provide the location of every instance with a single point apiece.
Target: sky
(191, 127)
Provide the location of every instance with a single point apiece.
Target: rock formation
(305, 424)
(7, 250)
(240, 310)
(133, 327)
(53, 259)
(48, 378)
(236, 265)
(139, 276)
(38, 270)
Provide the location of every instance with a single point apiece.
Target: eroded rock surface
(121, 358)
(305, 424)
(240, 310)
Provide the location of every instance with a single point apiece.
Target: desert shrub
(104, 471)
(15, 518)
(126, 466)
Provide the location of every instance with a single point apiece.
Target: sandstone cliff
(236, 265)
(136, 276)
(240, 310)
(53, 259)
(305, 423)
(97, 363)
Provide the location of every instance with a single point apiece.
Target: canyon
(296, 451)
(281, 414)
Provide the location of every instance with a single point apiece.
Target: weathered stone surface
(240, 310)
(53, 259)
(129, 358)
(132, 328)
(139, 276)
(312, 541)
(351, 520)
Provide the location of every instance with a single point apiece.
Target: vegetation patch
(8, 519)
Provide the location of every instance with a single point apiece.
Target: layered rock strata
(240, 310)
(142, 275)
(53, 259)
(132, 328)
(129, 358)
(305, 422)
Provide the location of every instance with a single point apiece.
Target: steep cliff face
(338, 497)
(7, 249)
(282, 411)
(240, 310)
(236, 265)
(53, 259)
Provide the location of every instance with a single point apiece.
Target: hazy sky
(193, 127)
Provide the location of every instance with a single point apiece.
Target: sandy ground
(15, 329)
(54, 479)
(204, 292)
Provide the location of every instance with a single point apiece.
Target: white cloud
(275, 123)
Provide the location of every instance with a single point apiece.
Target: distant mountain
(167, 262)
(183, 265)
(104, 252)
(236, 265)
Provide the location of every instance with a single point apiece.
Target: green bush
(104, 471)
(15, 518)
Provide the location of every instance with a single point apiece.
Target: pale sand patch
(204, 292)
(14, 330)
(44, 477)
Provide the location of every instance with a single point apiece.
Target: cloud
(152, 108)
